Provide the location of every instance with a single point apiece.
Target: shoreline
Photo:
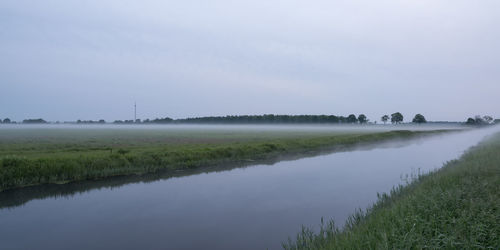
(18, 171)
(452, 207)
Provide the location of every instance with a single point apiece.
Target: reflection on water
(255, 207)
(17, 197)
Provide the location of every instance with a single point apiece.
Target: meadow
(455, 207)
(60, 154)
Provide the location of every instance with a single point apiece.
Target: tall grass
(456, 207)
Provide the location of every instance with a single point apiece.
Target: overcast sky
(67, 60)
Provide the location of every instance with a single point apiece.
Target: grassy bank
(33, 157)
(456, 207)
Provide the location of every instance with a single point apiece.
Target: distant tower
(135, 111)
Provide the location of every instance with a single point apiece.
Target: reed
(455, 207)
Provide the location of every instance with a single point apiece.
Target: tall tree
(352, 118)
(419, 119)
(397, 118)
(488, 119)
(384, 119)
(470, 121)
(478, 120)
(362, 119)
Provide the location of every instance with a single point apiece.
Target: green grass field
(31, 156)
(456, 207)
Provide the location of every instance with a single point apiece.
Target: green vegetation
(37, 156)
(34, 121)
(480, 121)
(351, 118)
(419, 119)
(456, 207)
(254, 119)
(6, 120)
(90, 122)
(397, 118)
(362, 119)
(384, 119)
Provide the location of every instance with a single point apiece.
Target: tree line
(258, 119)
(394, 118)
(270, 118)
(397, 118)
(478, 120)
(26, 121)
(90, 122)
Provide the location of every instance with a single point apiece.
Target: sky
(92, 59)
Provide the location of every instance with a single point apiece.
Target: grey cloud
(67, 60)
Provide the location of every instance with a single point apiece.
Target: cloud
(329, 56)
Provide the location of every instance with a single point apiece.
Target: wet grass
(39, 156)
(456, 207)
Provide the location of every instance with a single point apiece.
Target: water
(255, 207)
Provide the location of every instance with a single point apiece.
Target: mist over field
(236, 127)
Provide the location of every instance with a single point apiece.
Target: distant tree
(351, 118)
(79, 121)
(488, 119)
(470, 121)
(32, 121)
(419, 119)
(397, 118)
(384, 119)
(478, 120)
(160, 120)
(102, 121)
(259, 119)
(6, 120)
(362, 119)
